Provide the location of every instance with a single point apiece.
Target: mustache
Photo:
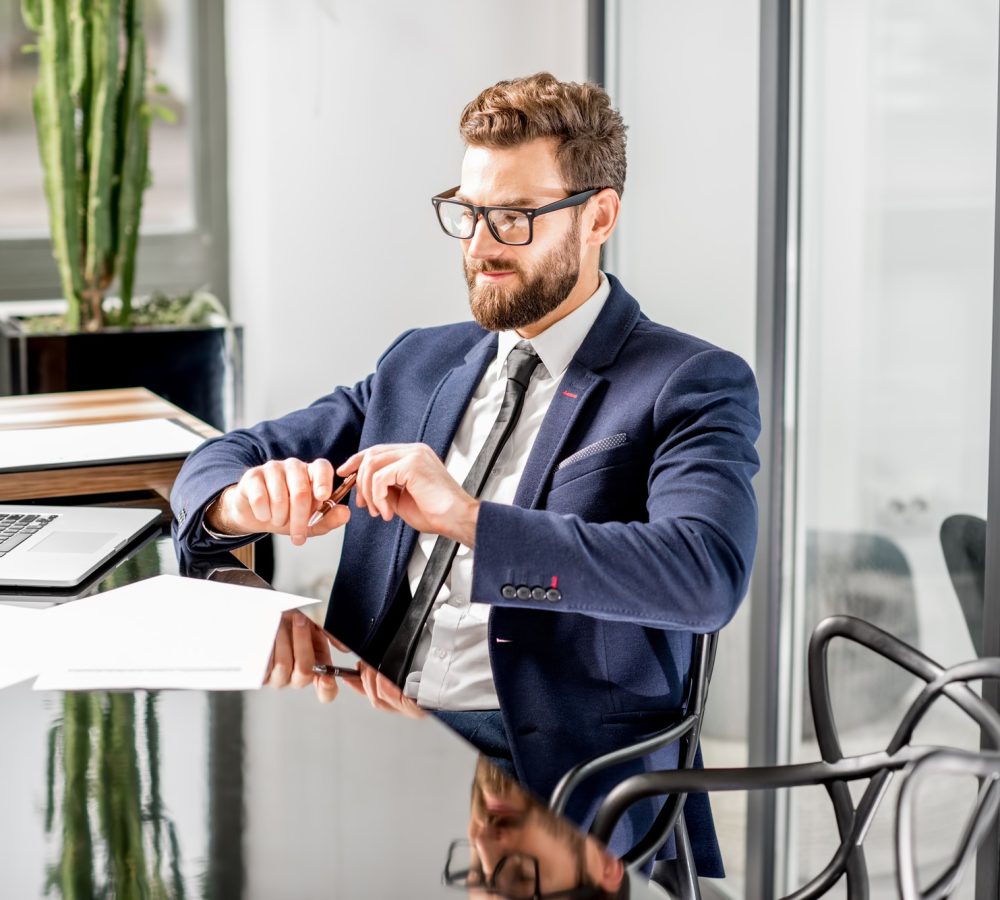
(488, 265)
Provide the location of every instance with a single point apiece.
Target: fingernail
(299, 619)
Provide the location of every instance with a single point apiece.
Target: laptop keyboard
(16, 528)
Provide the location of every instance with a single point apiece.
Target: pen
(338, 494)
(341, 671)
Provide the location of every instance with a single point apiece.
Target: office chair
(963, 542)
(835, 770)
(865, 575)
(671, 817)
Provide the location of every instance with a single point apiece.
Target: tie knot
(521, 362)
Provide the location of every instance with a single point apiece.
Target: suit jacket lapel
(441, 420)
(577, 390)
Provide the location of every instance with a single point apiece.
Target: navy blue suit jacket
(638, 544)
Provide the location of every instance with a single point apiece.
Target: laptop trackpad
(73, 542)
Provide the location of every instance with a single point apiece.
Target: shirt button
(457, 599)
(439, 653)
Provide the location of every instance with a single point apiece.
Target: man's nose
(482, 244)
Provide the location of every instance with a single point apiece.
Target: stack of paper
(27, 449)
(164, 632)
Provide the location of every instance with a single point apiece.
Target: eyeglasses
(511, 225)
(515, 876)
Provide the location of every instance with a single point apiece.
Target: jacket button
(538, 592)
(553, 595)
(523, 592)
(508, 592)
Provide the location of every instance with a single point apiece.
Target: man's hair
(589, 133)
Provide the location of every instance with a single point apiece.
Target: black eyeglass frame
(531, 214)
(460, 879)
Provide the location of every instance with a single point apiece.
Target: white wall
(343, 122)
(686, 83)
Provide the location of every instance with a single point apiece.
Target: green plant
(92, 120)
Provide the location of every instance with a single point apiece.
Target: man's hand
(410, 481)
(279, 497)
(298, 646)
(383, 693)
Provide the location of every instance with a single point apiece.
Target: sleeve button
(553, 595)
(523, 592)
(508, 592)
(538, 592)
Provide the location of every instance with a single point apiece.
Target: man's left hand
(411, 481)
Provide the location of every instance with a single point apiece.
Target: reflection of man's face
(514, 286)
(505, 820)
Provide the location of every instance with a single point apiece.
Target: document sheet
(27, 449)
(163, 632)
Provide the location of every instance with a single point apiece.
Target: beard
(499, 308)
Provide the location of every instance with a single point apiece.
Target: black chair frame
(835, 770)
(687, 731)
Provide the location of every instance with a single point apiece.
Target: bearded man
(558, 493)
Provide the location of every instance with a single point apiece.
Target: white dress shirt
(451, 667)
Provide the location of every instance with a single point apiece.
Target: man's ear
(607, 870)
(604, 208)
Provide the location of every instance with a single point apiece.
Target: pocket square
(614, 440)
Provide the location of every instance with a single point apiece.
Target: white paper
(163, 632)
(20, 643)
(46, 448)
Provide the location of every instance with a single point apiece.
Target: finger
(326, 688)
(384, 490)
(321, 646)
(304, 653)
(321, 476)
(369, 678)
(277, 493)
(254, 489)
(375, 459)
(300, 500)
(281, 656)
(331, 520)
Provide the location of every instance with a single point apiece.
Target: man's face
(511, 287)
(505, 821)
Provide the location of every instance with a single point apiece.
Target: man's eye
(506, 221)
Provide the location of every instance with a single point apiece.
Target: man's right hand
(279, 497)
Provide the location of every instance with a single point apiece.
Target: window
(184, 241)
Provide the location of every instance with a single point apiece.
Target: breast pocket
(614, 450)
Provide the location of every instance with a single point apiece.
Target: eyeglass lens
(507, 225)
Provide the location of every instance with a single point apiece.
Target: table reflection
(181, 794)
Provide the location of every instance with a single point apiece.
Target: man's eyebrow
(523, 202)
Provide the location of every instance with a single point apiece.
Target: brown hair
(590, 134)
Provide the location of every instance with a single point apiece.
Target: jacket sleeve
(330, 428)
(687, 566)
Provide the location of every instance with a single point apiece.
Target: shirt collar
(557, 345)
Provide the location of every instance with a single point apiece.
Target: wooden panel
(156, 476)
(91, 408)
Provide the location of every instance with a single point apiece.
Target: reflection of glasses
(508, 224)
(515, 876)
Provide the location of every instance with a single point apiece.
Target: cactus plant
(93, 123)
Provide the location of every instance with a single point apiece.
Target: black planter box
(198, 368)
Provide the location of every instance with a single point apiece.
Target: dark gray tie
(398, 657)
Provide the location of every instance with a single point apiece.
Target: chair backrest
(835, 770)
(687, 731)
(963, 542)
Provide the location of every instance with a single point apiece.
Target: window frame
(171, 261)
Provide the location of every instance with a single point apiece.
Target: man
(557, 494)
(517, 848)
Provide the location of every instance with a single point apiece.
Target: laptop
(59, 546)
